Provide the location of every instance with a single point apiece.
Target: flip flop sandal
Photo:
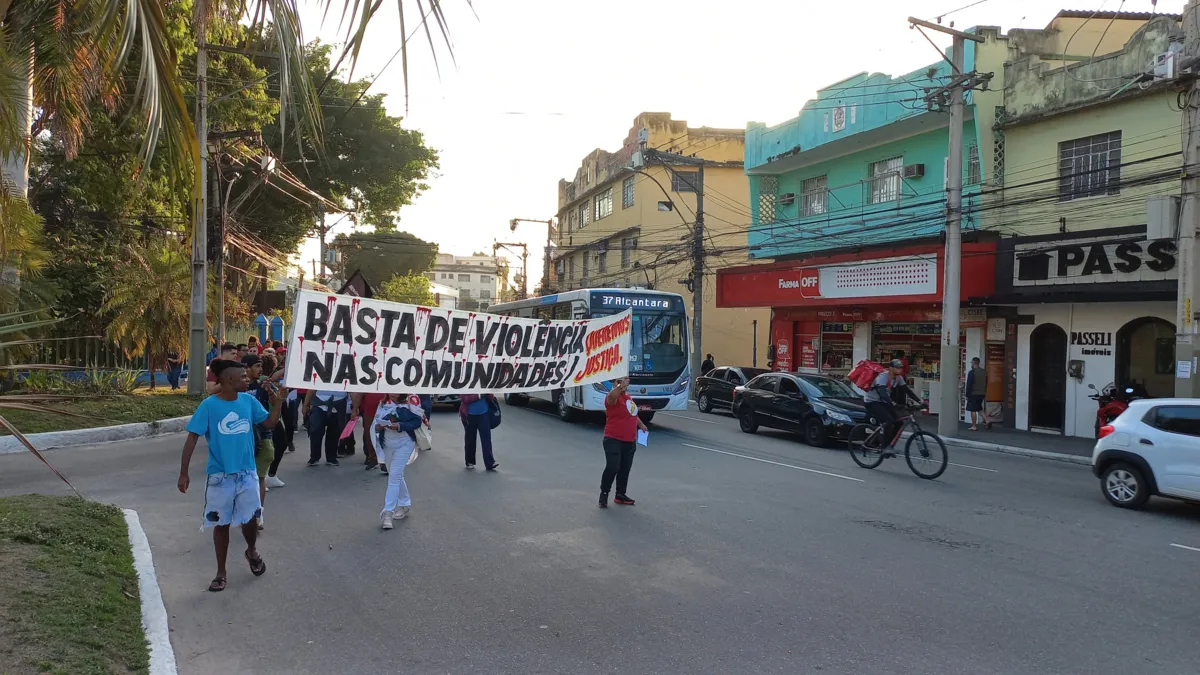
(217, 585)
(258, 567)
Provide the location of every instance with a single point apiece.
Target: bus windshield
(658, 344)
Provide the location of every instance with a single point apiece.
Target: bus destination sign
(621, 301)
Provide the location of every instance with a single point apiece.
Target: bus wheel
(565, 412)
(516, 399)
(647, 416)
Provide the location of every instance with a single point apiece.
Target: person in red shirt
(365, 405)
(620, 441)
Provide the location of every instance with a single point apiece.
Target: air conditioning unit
(914, 170)
(787, 198)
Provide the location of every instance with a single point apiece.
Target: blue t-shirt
(477, 407)
(228, 426)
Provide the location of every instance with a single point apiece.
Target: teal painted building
(863, 164)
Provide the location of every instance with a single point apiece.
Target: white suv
(1152, 448)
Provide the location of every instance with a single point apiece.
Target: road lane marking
(968, 466)
(1186, 548)
(767, 461)
(685, 417)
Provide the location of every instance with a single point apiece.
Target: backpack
(493, 412)
(864, 373)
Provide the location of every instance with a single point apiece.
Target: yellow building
(617, 228)
(1083, 192)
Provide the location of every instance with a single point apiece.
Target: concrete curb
(1020, 452)
(121, 432)
(154, 612)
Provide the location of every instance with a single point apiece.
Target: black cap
(250, 360)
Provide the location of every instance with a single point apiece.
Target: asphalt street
(744, 554)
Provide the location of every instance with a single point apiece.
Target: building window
(601, 261)
(485, 294)
(583, 214)
(432, 276)
(464, 277)
(603, 203)
(571, 269)
(570, 222)
(974, 176)
(628, 245)
(768, 186)
(485, 279)
(586, 263)
(464, 293)
(1089, 167)
(813, 199)
(627, 192)
(885, 180)
(684, 181)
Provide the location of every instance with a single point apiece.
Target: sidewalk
(1017, 442)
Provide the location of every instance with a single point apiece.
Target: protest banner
(345, 343)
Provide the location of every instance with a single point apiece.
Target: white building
(473, 276)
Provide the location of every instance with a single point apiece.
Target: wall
(1080, 414)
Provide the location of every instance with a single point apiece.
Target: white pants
(397, 490)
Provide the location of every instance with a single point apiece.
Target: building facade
(618, 228)
(476, 278)
(1071, 177)
(1085, 203)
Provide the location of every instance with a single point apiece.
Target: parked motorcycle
(1111, 402)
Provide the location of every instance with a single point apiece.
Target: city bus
(659, 374)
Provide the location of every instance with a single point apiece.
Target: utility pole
(512, 226)
(1189, 221)
(524, 290)
(198, 320)
(754, 346)
(948, 414)
(647, 155)
(321, 278)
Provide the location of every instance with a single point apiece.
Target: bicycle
(868, 451)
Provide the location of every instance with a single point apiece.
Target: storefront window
(837, 347)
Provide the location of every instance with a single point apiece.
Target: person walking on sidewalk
(395, 424)
(174, 368)
(477, 420)
(621, 424)
(227, 420)
(976, 390)
(326, 413)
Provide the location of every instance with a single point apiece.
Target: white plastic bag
(424, 436)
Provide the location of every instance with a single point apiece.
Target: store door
(1047, 377)
(1146, 357)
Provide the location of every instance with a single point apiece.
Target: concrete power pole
(1189, 220)
(319, 277)
(960, 81)
(198, 321)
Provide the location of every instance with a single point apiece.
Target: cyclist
(879, 399)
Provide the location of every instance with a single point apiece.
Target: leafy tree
(151, 300)
(384, 255)
(412, 289)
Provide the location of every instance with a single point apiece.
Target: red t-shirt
(370, 403)
(621, 419)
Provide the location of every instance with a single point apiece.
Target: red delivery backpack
(864, 373)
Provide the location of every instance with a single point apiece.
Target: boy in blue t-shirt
(226, 420)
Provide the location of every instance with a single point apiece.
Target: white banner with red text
(346, 343)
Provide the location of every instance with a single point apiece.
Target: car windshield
(824, 387)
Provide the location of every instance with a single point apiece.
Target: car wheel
(1124, 485)
(746, 420)
(814, 432)
(516, 399)
(703, 403)
(565, 412)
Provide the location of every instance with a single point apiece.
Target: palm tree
(57, 57)
(150, 302)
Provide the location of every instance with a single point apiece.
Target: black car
(819, 407)
(715, 390)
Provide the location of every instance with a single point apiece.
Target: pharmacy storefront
(829, 313)
(1090, 309)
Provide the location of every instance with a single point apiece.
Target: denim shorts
(231, 499)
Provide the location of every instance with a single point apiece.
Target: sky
(538, 84)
